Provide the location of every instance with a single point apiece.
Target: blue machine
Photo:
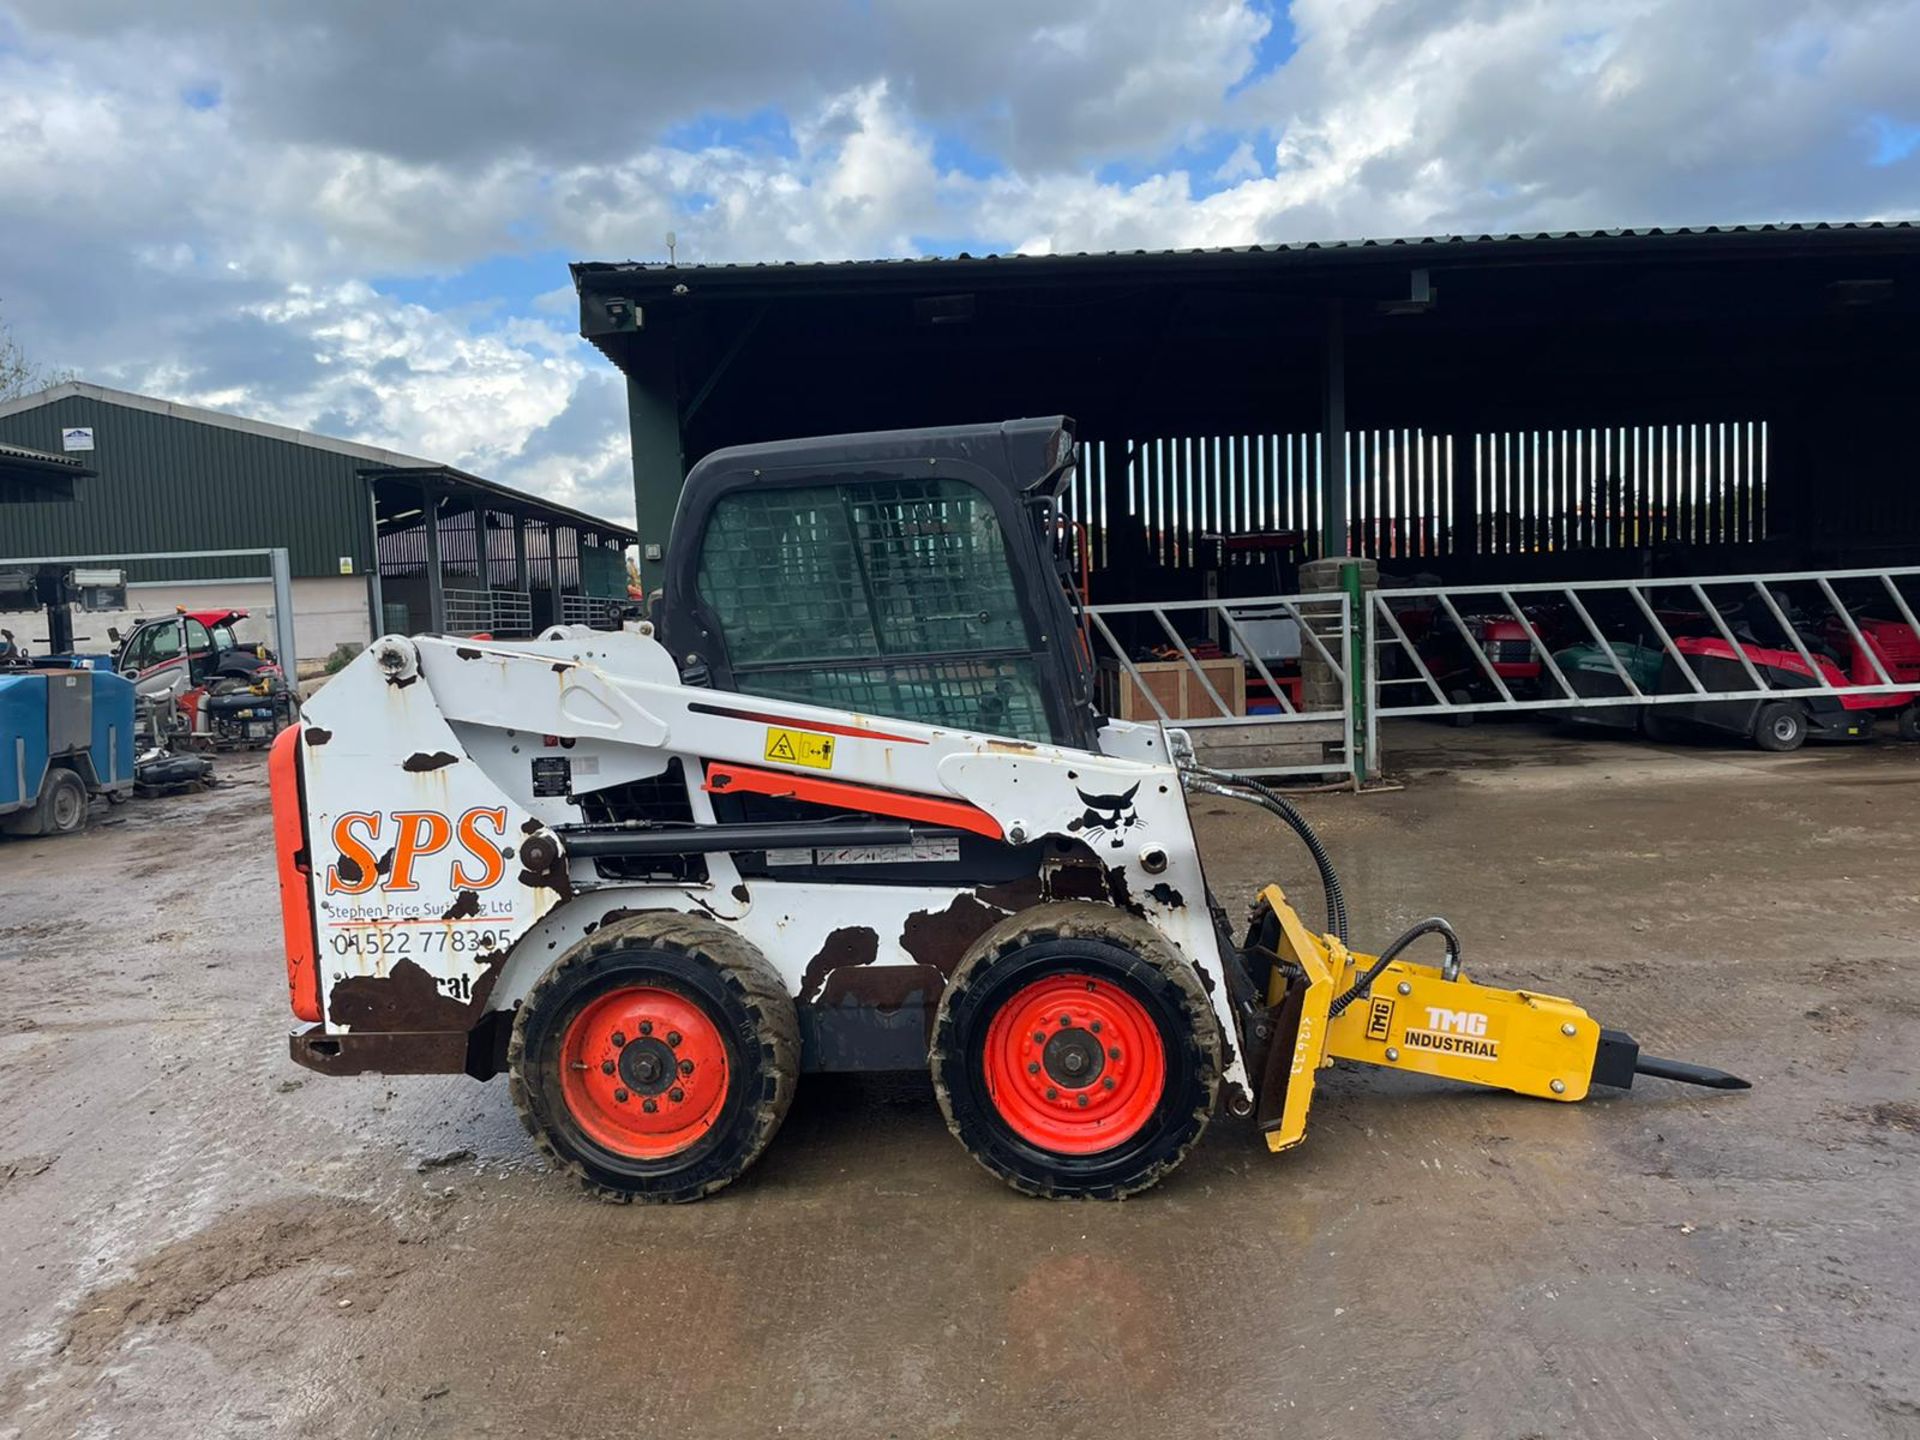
(66, 734)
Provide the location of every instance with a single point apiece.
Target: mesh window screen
(816, 587)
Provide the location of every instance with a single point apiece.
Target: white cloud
(234, 252)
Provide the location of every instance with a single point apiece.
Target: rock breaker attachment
(1326, 1003)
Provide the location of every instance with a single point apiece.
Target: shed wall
(170, 483)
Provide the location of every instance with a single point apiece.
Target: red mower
(1786, 723)
(1454, 654)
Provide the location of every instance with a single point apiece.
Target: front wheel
(1075, 1053)
(656, 1061)
(1780, 726)
(1908, 723)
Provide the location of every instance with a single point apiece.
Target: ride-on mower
(1789, 653)
(844, 803)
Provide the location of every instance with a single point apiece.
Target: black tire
(1780, 725)
(1907, 724)
(1114, 949)
(741, 997)
(1460, 720)
(60, 810)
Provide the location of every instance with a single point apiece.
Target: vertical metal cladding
(170, 482)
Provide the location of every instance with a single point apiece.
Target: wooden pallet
(1257, 746)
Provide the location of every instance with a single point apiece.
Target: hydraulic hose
(1246, 788)
(1432, 925)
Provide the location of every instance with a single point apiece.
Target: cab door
(887, 594)
(153, 659)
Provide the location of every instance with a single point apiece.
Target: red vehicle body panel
(1790, 663)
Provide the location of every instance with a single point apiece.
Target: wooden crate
(1175, 686)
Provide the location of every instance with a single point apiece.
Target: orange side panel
(954, 814)
(296, 873)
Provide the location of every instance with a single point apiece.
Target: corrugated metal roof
(175, 477)
(1400, 245)
(449, 479)
(174, 410)
(29, 458)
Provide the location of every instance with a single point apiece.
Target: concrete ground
(197, 1238)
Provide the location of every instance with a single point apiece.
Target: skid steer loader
(844, 803)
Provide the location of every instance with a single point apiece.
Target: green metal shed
(150, 476)
(175, 477)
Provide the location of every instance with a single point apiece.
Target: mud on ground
(197, 1238)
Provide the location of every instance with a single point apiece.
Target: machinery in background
(1589, 672)
(66, 735)
(854, 809)
(201, 684)
(1460, 653)
(1780, 724)
(203, 640)
(1782, 645)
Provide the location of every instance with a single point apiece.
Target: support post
(659, 457)
(1360, 728)
(1336, 533)
(520, 555)
(1464, 542)
(376, 597)
(436, 581)
(282, 573)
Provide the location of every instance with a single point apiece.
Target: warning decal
(800, 747)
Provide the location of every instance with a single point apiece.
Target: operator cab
(916, 574)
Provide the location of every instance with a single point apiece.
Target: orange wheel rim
(643, 1072)
(1074, 1064)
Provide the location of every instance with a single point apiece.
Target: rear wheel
(1460, 719)
(60, 810)
(1781, 725)
(1908, 723)
(656, 1061)
(1075, 1052)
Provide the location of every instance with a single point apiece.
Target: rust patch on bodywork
(850, 946)
(408, 998)
(316, 736)
(350, 871)
(1166, 895)
(420, 762)
(467, 905)
(886, 988)
(1021, 894)
(1078, 882)
(940, 937)
(554, 878)
(466, 652)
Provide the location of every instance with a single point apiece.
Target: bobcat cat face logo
(1106, 815)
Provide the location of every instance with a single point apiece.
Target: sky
(355, 216)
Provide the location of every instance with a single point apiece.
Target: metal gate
(1793, 636)
(278, 575)
(1265, 686)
